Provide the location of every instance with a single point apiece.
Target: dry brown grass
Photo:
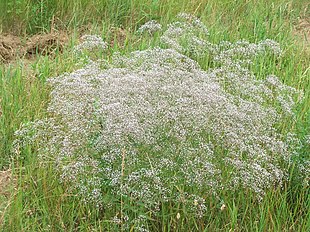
(8, 184)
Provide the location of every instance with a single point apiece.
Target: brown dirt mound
(9, 47)
(45, 44)
(12, 47)
(118, 37)
(302, 30)
(6, 180)
(8, 184)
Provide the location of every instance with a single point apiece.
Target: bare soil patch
(7, 191)
(6, 181)
(9, 47)
(302, 30)
(12, 47)
(118, 37)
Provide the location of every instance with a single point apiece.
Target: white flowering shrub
(150, 27)
(89, 43)
(153, 127)
(188, 35)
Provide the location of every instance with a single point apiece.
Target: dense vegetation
(196, 121)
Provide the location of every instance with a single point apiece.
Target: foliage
(45, 198)
(153, 128)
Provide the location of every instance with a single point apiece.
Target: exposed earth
(302, 31)
(12, 47)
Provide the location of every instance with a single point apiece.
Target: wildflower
(195, 202)
(160, 101)
(223, 207)
(150, 27)
(89, 43)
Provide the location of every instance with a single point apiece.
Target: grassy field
(32, 195)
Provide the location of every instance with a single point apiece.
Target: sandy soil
(12, 47)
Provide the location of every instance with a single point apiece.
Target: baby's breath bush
(90, 43)
(150, 27)
(188, 35)
(153, 127)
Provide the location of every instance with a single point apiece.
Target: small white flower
(223, 207)
(89, 43)
(150, 27)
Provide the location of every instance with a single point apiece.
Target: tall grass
(41, 203)
(262, 17)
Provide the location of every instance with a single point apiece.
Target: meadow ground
(38, 41)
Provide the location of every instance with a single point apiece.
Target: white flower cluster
(188, 35)
(243, 51)
(90, 42)
(154, 126)
(150, 27)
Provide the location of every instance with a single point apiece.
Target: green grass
(41, 203)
